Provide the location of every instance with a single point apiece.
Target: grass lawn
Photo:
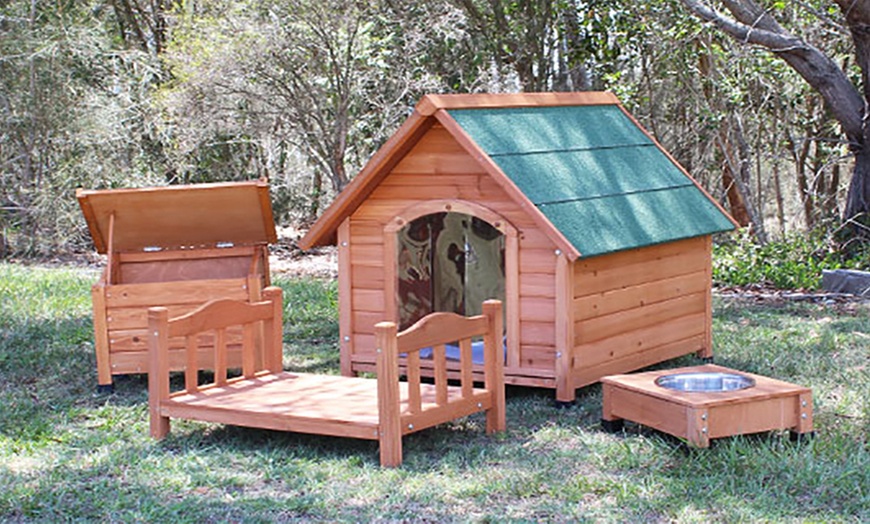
(69, 454)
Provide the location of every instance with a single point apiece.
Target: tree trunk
(780, 201)
(857, 210)
(753, 24)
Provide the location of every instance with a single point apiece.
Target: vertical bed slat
(465, 363)
(413, 369)
(220, 358)
(493, 372)
(440, 359)
(273, 346)
(158, 369)
(191, 367)
(248, 349)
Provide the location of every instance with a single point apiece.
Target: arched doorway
(447, 261)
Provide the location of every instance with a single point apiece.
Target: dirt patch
(285, 258)
(843, 303)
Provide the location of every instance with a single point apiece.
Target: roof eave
(323, 231)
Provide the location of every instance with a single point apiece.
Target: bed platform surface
(304, 402)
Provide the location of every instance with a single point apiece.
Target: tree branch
(752, 25)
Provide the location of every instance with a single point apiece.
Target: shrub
(793, 262)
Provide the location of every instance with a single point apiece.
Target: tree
(549, 45)
(751, 23)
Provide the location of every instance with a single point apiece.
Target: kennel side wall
(639, 307)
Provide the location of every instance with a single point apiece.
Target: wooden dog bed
(265, 396)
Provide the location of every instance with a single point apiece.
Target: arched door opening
(448, 261)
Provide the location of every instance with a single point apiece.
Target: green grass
(69, 454)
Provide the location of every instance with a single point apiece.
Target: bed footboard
(261, 346)
(421, 410)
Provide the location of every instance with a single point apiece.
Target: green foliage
(794, 262)
(70, 455)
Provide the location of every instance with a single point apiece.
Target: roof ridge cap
(431, 103)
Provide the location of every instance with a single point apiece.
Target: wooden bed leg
(494, 370)
(158, 369)
(273, 349)
(389, 415)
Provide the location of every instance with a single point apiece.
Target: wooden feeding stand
(174, 246)
(713, 410)
(560, 205)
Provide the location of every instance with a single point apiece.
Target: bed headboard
(436, 330)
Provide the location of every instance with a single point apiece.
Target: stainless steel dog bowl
(705, 382)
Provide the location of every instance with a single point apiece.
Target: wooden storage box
(174, 246)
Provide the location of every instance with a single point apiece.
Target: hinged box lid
(183, 216)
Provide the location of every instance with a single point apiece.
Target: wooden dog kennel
(174, 246)
(559, 204)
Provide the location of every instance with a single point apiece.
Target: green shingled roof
(594, 174)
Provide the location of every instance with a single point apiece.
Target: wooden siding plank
(537, 261)
(534, 309)
(368, 300)
(608, 302)
(642, 255)
(537, 334)
(617, 275)
(367, 277)
(538, 358)
(638, 341)
(585, 375)
(184, 292)
(534, 238)
(367, 254)
(365, 321)
(366, 231)
(606, 326)
(537, 285)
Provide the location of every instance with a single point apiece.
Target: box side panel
(178, 270)
(754, 416)
(127, 308)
